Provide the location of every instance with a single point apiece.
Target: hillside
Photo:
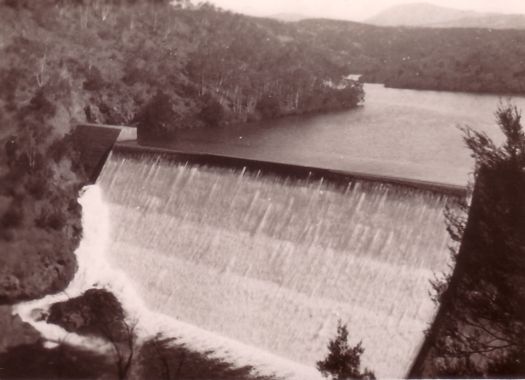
(434, 16)
(115, 61)
(472, 60)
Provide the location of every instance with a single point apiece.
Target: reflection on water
(404, 133)
(274, 263)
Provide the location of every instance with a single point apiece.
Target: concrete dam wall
(272, 256)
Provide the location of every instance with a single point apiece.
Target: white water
(95, 272)
(92, 267)
(267, 267)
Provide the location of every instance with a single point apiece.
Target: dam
(273, 260)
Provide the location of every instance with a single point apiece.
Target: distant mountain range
(429, 15)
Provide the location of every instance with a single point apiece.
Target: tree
(343, 362)
(482, 304)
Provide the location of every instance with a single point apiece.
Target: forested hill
(167, 67)
(456, 59)
(109, 61)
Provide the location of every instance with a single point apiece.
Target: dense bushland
(455, 59)
(211, 66)
(39, 214)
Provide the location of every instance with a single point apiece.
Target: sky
(357, 10)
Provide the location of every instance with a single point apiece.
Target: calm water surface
(406, 133)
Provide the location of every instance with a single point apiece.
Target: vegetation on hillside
(204, 65)
(39, 214)
(480, 329)
(473, 60)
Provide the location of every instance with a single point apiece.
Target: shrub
(343, 362)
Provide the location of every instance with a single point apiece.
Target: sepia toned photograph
(262, 189)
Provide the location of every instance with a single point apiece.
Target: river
(406, 133)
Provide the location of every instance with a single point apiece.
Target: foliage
(97, 60)
(483, 325)
(40, 229)
(343, 361)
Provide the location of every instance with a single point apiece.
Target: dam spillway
(275, 262)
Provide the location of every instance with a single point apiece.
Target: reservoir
(403, 133)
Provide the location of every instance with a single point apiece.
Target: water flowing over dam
(275, 262)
